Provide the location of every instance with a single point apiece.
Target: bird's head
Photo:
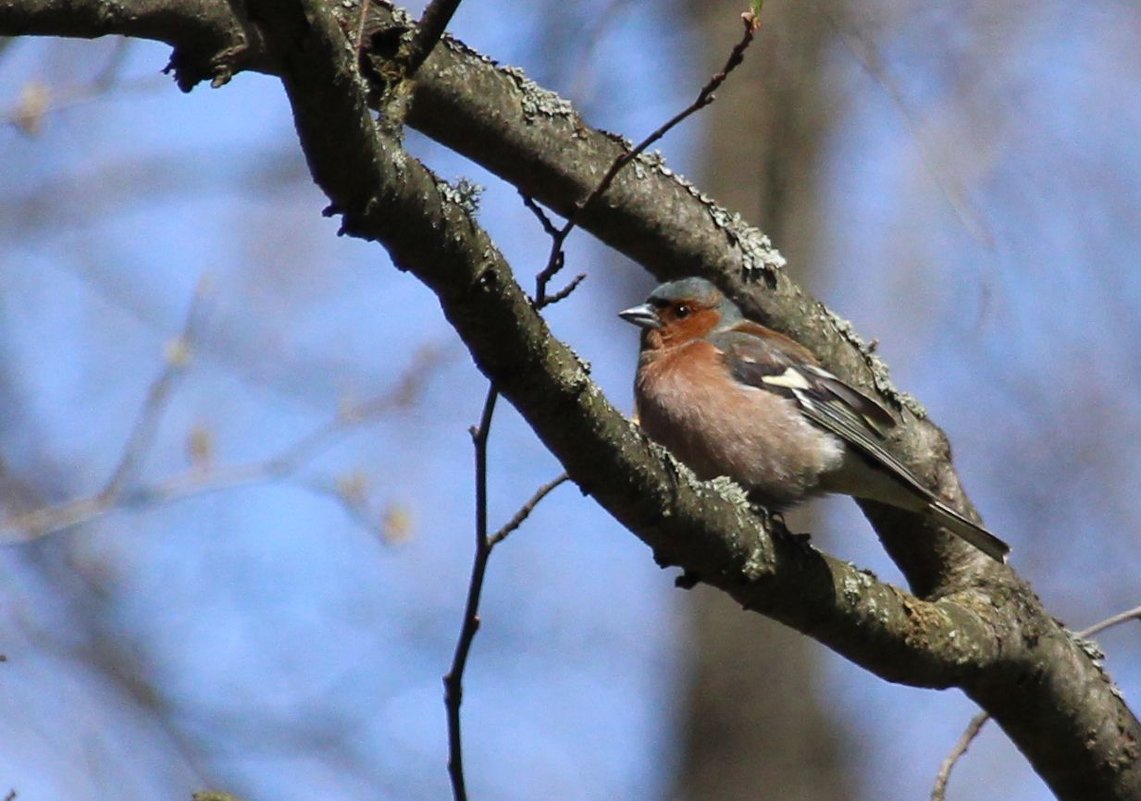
(681, 311)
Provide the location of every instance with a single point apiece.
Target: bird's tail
(973, 533)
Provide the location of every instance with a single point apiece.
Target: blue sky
(278, 648)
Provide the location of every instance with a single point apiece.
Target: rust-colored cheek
(695, 326)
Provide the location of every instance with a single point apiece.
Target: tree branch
(453, 681)
(939, 790)
(704, 98)
(211, 41)
(986, 632)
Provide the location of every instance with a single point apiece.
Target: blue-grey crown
(699, 291)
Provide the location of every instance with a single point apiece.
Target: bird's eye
(682, 311)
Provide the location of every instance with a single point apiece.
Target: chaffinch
(729, 397)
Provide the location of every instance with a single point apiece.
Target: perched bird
(729, 397)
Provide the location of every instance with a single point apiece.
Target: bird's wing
(769, 364)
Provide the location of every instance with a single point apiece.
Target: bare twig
(544, 220)
(939, 790)
(704, 98)
(352, 502)
(565, 292)
(525, 510)
(453, 681)
(196, 481)
(587, 44)
(484, 545)
(108, 74)
(1121, 617)
(179, 352)
(323, 436)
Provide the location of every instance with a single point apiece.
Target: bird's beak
(644, 316)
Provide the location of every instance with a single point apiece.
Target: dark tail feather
(973, 533)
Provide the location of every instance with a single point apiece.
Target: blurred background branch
(122, 491)
(252, 636)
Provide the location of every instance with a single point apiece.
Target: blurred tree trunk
(753, 723)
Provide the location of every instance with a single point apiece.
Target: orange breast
(689, 402)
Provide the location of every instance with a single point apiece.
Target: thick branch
(998, 644)
(211, 42)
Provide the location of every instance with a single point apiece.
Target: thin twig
(484, 545)
(565, 292)
(939, 790)
(526, 509)
(868, 55)
(453, 681)
(1121, 617)
(177, 358)
(586, 45)
(285, 464)
(544, 220)
(352, 504)
(429, 30)
(704, 98)
(326, 434)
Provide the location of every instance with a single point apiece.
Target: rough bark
(971, 624)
